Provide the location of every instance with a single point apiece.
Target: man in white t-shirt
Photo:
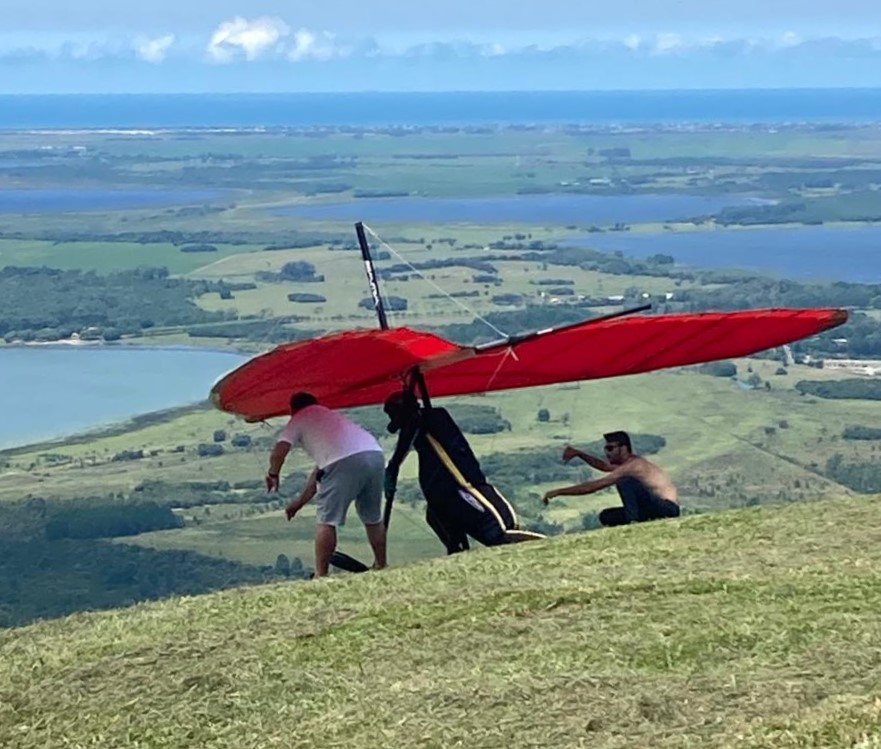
(349, 467)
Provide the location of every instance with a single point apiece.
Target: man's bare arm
(587, 487)
(594, 462)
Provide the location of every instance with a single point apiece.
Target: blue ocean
(448, 108)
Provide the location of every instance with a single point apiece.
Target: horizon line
(361, 92)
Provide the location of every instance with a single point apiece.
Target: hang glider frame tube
(513, 340)
(372, 280)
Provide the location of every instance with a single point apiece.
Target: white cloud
(309, 45)
(250, 39)
(90, 51)
(632, 46)
(667, 43)
(242, 40)
(633, 42)
(790, 39)
(154, 50)
(711, 41)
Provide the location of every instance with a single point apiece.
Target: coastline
(108, 429)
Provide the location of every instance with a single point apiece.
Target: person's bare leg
(325, 545)
(377, 538)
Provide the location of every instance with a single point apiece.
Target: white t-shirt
(326, 435)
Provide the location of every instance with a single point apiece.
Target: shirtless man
(646, 491)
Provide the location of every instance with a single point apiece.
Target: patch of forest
(50, 304)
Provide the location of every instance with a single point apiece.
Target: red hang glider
(362, 367)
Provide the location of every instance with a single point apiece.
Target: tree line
(47, 304)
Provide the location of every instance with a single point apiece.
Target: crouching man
(646, 491)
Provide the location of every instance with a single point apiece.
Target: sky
(173, 46)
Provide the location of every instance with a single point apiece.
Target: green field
(110, 256)
(747, 629)
(429, 303)
(252, 172)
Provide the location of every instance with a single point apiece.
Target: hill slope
(752, 628)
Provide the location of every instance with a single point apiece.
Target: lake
(48, 392)
(62, 200)
(803, 253)
(544, 210)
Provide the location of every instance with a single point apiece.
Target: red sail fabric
(353, 368)
(362, 367)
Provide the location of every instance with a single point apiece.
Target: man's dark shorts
(639, 505)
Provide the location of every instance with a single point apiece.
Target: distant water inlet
(806, 253)
(54, 391)
(58, 200)
(542, 210)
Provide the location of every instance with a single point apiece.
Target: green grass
(752, 628)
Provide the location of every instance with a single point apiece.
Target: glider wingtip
(833, 318)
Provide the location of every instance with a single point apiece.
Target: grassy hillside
(750, 628)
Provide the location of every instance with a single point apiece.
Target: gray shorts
(358, 477)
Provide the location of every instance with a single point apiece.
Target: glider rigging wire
(443, 291)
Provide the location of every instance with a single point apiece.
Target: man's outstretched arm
(587, 487)
(594, 462)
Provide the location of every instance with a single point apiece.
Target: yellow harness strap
(465, 484)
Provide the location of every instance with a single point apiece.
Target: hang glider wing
(627, 345)
(353, 368)
(362, 367)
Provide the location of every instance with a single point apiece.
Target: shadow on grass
(42, 579)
